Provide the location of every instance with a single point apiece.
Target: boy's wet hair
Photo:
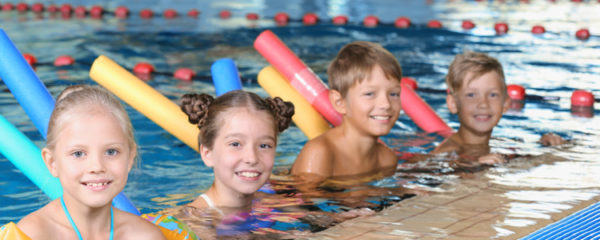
(81, 97)
(354, 63)
(475, 63)
(205, 111)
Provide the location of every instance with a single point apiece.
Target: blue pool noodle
(34, 97)
(225, 76)
(27, 157)
(27, 88)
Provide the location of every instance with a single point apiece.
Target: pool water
(170, 174)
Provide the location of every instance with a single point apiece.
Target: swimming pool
(169, 173)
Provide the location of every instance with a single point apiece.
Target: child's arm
(551, 139)
(492, 158)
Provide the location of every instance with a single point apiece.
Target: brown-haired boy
(365, 88)
(477, 93)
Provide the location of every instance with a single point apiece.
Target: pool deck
(476, 208)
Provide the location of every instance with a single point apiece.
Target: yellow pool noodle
(305, 117)
(145, 99)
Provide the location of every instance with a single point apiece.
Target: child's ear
(337, 101)
(132, 155)
(451, 102)
(206, 155)
(506, 104)
(50, 161)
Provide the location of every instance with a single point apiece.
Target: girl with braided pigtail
(238, 136)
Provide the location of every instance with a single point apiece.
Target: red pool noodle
(302, 78)
(421, 113)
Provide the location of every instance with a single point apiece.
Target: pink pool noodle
(421, 113)
(302, 78)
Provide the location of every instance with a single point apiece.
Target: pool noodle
(27, 88)
(27, 157)
(33, 96)
(302, 78)
(145, 99)
(225, 76)
(421, 113)
(305, 117)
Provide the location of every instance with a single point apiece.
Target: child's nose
(96, 163)
(251, 156)
(483, 102)
(383, 101)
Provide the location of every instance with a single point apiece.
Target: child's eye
(112, 152)
(78, 154)
(470, 95)
(494, 95)
(267, 146)
(235, 144)
(395, 94)
(369, 94)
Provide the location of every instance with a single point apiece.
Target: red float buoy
(37, 7)
(411, 82)
(22, 7)
(468, 25)
(371, 21)
(52, 8)
(582, 34)
(7, 7)
(96, 11)
(146, 13)
(170, 13)
(402, 22)
(143, 68)
(64, 60)
(282, 18)
(30, 59)
(252, 16)
(515, 92)
(339, 20)
(434, 24)
(225, 14)
(66, 8)
(121, 12)
(310, 19)
(193, 13)
(582, 98)
(501, 28)
(537, 29)
(80, 11)
(184, 74)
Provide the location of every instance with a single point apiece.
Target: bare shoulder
(315, 157)
(129, 226)
(41, 223)
(387, 157)
(450, 144)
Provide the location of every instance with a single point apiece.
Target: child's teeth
(381, 117)
(249, 174)
(96, 184)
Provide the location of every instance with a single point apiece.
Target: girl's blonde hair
(80, 96)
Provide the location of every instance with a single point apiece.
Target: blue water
(169, 173)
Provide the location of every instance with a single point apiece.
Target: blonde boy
(365, 88)
(477, 93)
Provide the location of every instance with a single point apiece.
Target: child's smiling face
(243, 152)
(479, 103)
(373, 105)
(92, 156)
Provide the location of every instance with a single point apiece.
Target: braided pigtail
(196, 107)
(283, 112)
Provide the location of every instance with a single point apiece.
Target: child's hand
(551, 139)
(491, 159)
